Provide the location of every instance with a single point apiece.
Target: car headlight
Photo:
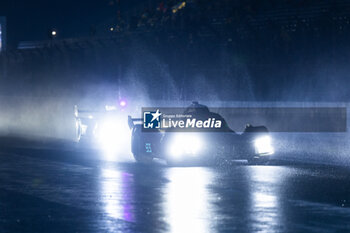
(263, 145)
(185, 144)
(111, 134)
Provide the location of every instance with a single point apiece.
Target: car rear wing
(132, 121)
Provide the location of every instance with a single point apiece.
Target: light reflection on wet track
(72, 193)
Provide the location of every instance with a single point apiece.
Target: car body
(200, 147)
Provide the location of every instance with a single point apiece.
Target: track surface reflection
(43, 192)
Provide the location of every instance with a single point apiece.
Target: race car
(103, 128)
(214, 146)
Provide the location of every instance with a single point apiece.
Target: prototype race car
(200, 147)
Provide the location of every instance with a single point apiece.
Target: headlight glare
(263, 145)
(185, 144)
(111, 134)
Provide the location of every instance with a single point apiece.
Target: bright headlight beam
(263, 145)
(185, 144)
(111, 134)
(107, 135)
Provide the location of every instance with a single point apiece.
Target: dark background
(209, 50)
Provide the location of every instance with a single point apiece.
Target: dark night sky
(31, 20)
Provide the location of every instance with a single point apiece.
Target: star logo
(156, 115)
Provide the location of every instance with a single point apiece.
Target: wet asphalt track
(65, 191)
